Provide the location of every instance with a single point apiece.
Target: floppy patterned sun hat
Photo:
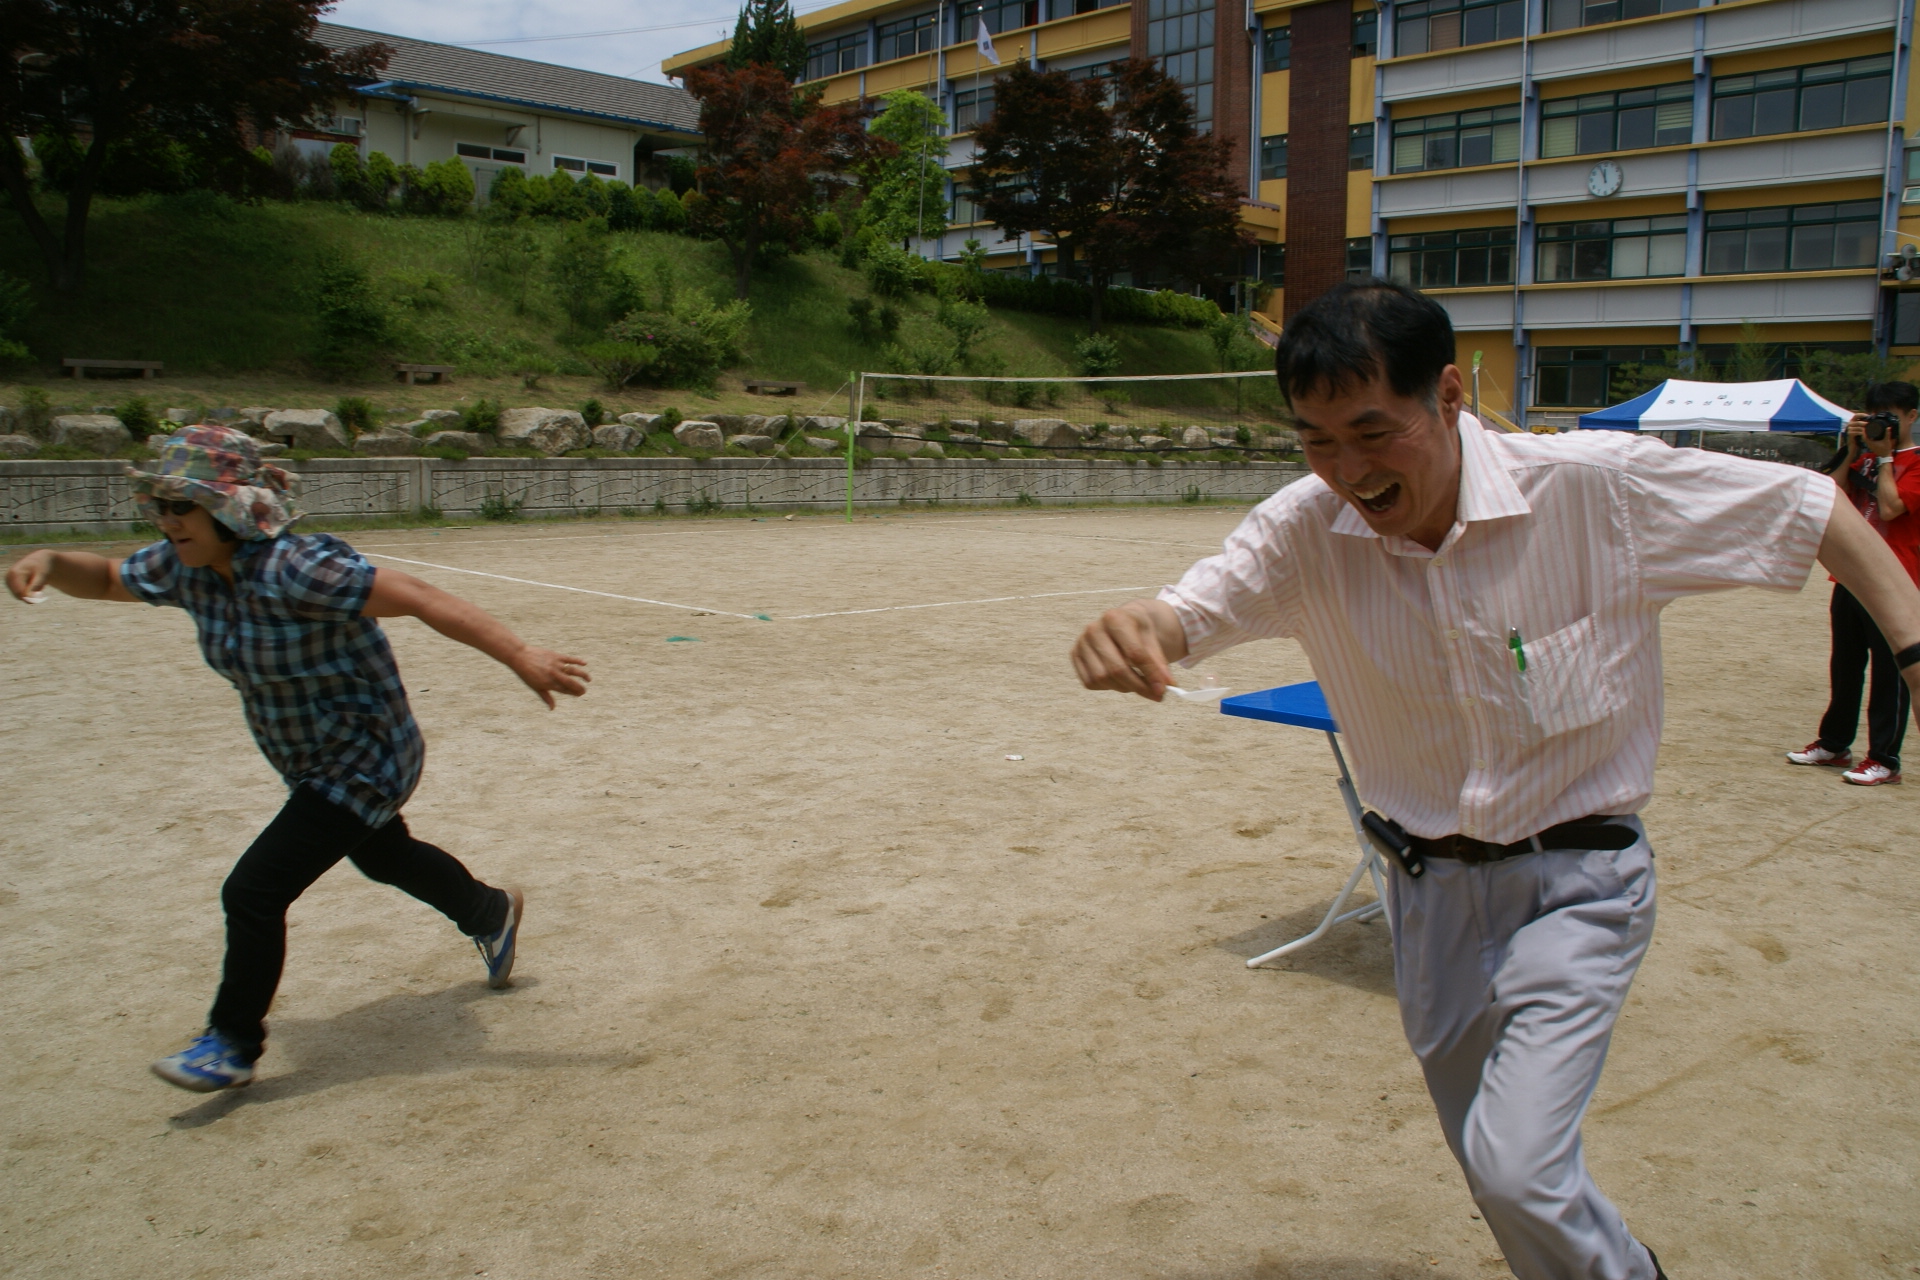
(220, 469)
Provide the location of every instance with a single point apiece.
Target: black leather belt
(1595, 831)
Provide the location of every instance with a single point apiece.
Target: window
(1578, 377)
(1180, 38)
(1445, 259)
(478, 151)
(831, 57)
(1000, 15)
(965, 209)
(1911, 195)
(599, 168)
(1360, 146)
(1427, 26)
(1455, 141)
(1090, 6)
(1809, 237)
(1366, 33)
(1623, 249)
(1625, 121)
(972, 108)
(1360, 258)
(904, 37)
(1565, 14)
(1276, 48)
(1273, 157)
(1273, 265)
(1793, 99)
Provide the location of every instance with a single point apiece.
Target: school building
(493, 112)
(1582, 183)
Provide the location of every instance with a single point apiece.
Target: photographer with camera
(1879, 468)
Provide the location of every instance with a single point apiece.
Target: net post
(857, 394)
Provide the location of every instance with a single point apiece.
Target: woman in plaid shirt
(289, 619)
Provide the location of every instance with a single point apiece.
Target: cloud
(691, 24)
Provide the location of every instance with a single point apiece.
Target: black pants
(1855, 639)
(297, 848)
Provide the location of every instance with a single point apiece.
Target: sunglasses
(175, 506)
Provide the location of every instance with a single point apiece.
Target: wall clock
(1604, 178)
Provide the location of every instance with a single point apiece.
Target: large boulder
(314, 429)
(639, 421)
(550, 431)
(821, 442)
(1194, 438)
(1048, 433)
(616, 437)
(699, 435)
(932, 449)
(443, 419)
(100, 433)
(730, 423)
(388, 444)
(251, 419)
(1154, 442)
(17, 446)
(467, 441)
(822, 422)
(8, 423)
(752, 443)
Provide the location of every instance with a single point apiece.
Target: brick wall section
(1233, 89)
(1317, 151)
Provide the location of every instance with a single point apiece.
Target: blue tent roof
(1782, 404)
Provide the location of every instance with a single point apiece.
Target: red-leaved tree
(772, 155)
(205, 73)
(1114, 174)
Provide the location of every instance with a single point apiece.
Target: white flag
(984, 42)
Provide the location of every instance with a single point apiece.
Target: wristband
(1907, 656)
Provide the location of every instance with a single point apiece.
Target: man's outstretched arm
(1127, 649)
(401, 595)
(75, 573)
(1860, 560)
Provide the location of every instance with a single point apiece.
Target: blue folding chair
(1304, 705)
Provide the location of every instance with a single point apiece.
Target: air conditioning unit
(1909, 258)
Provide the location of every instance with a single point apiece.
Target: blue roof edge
(414, 86)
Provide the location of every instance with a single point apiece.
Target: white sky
(636, 53)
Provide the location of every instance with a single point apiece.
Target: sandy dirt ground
(817, 982)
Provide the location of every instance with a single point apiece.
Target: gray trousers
(1510, 976)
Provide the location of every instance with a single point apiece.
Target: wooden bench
(147, 368)
(762, 387)
(434, 373)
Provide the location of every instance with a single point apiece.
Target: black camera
(1880, 424)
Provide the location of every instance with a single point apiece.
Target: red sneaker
(1871, 774)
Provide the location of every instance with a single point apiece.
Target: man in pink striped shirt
(1482, 612)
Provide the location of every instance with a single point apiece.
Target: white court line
(657, 533)
(529, 582)
(948, 604)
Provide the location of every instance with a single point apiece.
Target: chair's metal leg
(1369, 864)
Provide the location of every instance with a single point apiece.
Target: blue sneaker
(210, 1063)
(497, 948)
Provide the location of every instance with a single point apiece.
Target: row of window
(917, 33)
(1273, 262)
(1276, 43)
(1273, 152)
(1429, 26)
(1589, 377)
(513, 155)
(1812, 237)
(1789, 100)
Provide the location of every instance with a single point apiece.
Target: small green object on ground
(683, 639)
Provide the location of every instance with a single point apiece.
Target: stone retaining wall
(44, 497)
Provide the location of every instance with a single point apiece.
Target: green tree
(578, 268)
(766, 32)
(907, 193)
(205, 73)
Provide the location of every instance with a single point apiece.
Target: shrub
(1099, 355)
(670, 418)
(623, 210)
(579, 266)
(593, 412)
(368, 183)
(966, 321)
(355, 413)
(873, 323)
(892, 272)
(693, 341)
(137, 416)
(148, 161)
(591, 193)
(669, 211)
(443, 189)
(36, 412)
(827, 229)
(353, 326)
(483, 416)
(16, 303)
(618, 363)
(497, 506)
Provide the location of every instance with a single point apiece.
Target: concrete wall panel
(1586, 307)
(1459, 71)
(1446, 192)
(1785, 301)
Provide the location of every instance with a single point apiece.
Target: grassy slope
(219, 292)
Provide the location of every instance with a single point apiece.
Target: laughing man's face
(1393, 458)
